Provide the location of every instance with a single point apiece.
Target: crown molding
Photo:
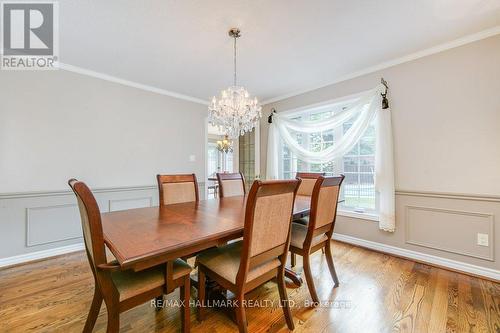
(114, 79)
(410, 57)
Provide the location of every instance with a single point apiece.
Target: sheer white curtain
(361, 112)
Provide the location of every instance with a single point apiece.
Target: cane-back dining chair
(316, 230)
(231, 184)
(261, 256)
(123, 290)
(306, 189)
(308, 181)
(177, 188)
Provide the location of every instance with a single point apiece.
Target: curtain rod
(385, 101)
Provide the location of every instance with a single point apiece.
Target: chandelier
(225, 146)
(235, 112)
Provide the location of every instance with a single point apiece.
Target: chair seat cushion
(130, 283)
(225, 261)
(302, 220)
(299, 232)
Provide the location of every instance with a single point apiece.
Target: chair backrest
(324, 202)
(91, 223)
(231, 184)
(268, 218)
(177, 188)
(308, 181)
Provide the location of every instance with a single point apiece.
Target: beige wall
(57, 125)
(446, 120)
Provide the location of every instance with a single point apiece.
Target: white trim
(110, 78)
(357, 215)
(37, 194)
(410, 57)
(428, 258)
(23, 258)
(449, 195)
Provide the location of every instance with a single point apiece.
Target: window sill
(363, 216)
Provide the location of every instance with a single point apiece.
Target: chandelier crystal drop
(235, 112)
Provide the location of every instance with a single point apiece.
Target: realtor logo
(29, 35)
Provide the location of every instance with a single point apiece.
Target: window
(358, 165)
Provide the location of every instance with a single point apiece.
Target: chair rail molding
(449, 195)
(42, 224)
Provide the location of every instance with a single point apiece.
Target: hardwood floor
(377, 293)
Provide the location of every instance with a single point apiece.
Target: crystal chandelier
(234, 113)
(225, 145)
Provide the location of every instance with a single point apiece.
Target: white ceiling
(287, 45)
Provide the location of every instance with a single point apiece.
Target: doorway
(245, 157)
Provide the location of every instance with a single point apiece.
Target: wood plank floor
(377, 293)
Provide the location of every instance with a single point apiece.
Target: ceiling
(286, 45)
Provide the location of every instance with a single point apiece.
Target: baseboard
(27, 257)
(454, 265)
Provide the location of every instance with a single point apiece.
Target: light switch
(192, 158)
(482, 239)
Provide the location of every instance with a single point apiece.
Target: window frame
(338, 163)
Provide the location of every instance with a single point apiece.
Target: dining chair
(261, 256)
(306, 188)
(308, 181)
(316, 231)
(177, 188)
(231, 184)
(214, 187)
(123, 290)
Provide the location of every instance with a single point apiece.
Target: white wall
(446, 120)
(57, 125)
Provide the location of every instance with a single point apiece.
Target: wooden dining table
(145, 237)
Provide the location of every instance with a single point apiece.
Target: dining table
(145, 237)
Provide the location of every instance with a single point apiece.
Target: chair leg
(241, 317)
(284, 300)
(185, 291)
(94, 311)
(309, 278)
(331, 266)
(201, 294)
(159, 303)
(293, 260)
(113, 320)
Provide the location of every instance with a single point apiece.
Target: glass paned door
(249, 156)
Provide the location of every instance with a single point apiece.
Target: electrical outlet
(192, 158)
(482, 239)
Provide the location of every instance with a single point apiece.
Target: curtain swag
(363, 109)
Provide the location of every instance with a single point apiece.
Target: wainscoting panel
(51, 224)
(437, 228)
(35, 225)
